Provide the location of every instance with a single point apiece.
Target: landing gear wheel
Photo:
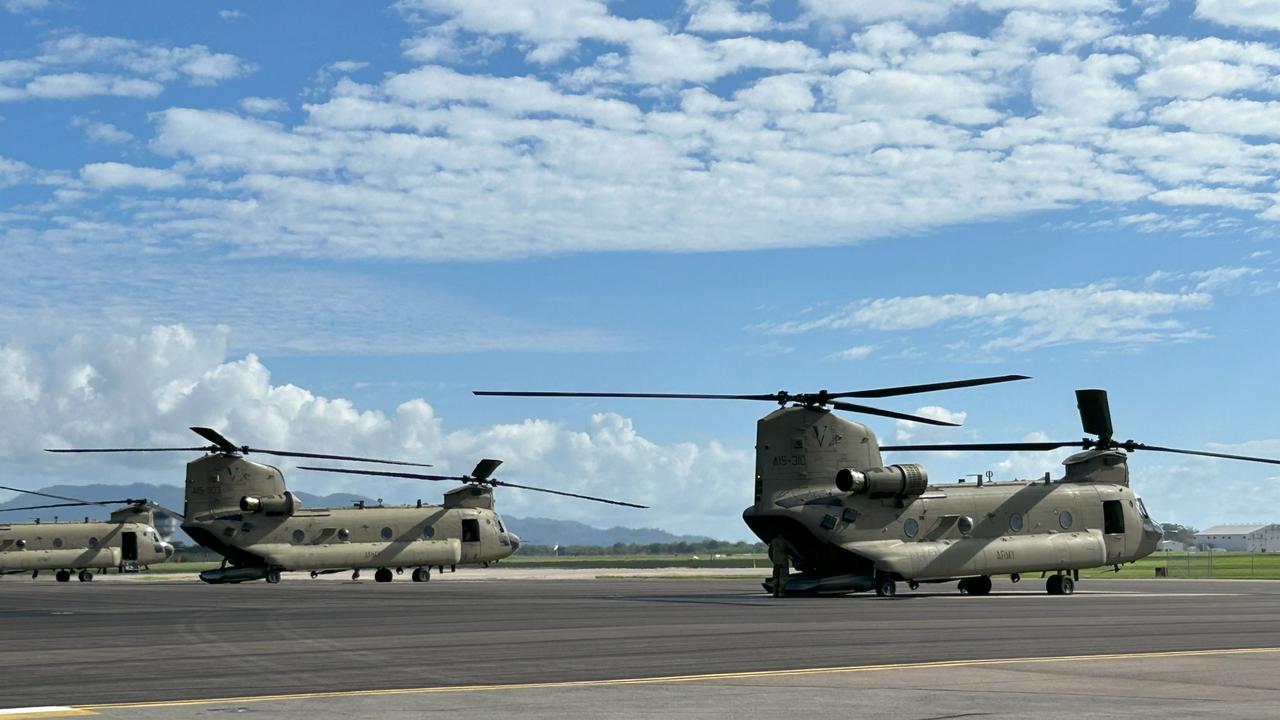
(273, 575)
(979, 585)
(355, 574)
(85, 576)
(1068, 585)
(383, 575)
(62, 575)
(913, 585)
(886, 587)
(1054, 585)
(421, 575)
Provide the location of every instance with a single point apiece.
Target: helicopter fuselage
(241, 510)
(846, 531)
(74, 546)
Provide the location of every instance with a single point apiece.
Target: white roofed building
(1241, 537)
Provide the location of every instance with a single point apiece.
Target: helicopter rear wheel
(886, 587)
(421, 575)
(273, 575)
(1060, 585)
(976, 586)
(62, 575)
(383, 575)
(85, 576)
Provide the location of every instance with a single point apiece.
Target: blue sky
(321, 225)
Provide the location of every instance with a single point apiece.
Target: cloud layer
(721, 128)
(146, 389)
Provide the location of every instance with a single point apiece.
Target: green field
(1224, 566)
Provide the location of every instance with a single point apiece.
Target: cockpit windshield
(498, 519)
(1142, 508)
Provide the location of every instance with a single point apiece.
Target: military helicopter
(826, 502)
(127, 541)
(242, 510)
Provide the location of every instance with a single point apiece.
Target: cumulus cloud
(102, 132)
(626, 133)
(263, 106)
(111, 175)
(77, 66)
(146, 389)
(724, 16)
(1247, 14)
(1099, 314)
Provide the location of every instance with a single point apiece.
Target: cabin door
(129, 546)
(1113, 528)
(470, 540)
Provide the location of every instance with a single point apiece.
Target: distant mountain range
(533, 531)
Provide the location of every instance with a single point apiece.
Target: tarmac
(547, 645)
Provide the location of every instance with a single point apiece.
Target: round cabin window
(965, 524)
(1064, 519)
(93, 543)
(1015, 522)
(21, 544)
(57, 542)
(428, 531)
(910, 527)
(298, 537)
(344, 534)
(387, 533)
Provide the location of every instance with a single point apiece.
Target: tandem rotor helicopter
(242, 510)
(127, 541)
(827, 504)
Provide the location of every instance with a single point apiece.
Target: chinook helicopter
(242, 510)
(827, 504)
(127, 541)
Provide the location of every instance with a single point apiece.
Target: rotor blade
(931, 387)
(385, 473)
(889, 414)
(772, 397)
(216, 438)
(566, 494)
(67, 504)
(203, 448)
(46, 495)
(322, 456)
(1203, 453)
(485, 468)
(968, 447)
(1095, 414)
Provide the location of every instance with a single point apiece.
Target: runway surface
(141, 642)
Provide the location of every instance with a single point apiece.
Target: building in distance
(1243, 537)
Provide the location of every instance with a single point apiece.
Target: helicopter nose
(168, 550)
(515, 541)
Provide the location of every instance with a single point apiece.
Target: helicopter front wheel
(421, 575)
(273, 575)
(85, 576)
(886, 587)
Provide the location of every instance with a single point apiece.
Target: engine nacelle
(285, 504)
(895, 481)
